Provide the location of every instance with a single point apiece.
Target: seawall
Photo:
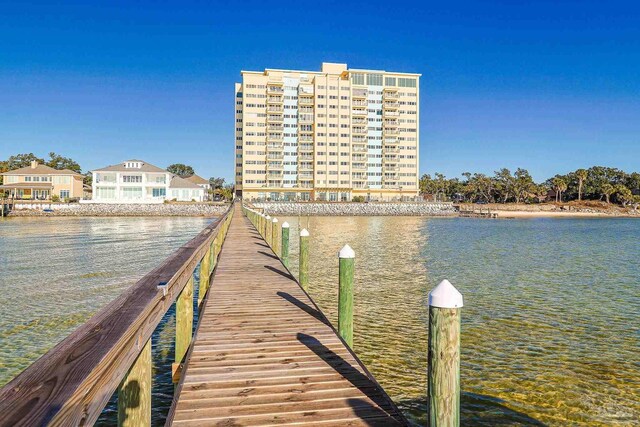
(108, 209)
(358, 209)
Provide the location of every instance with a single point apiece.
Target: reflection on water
(57, 272)
(550, 331)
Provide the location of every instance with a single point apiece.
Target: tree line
(596, 183)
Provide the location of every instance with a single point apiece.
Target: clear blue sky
(546, 85)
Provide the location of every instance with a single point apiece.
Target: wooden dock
(264, 353)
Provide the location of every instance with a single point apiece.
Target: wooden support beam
(134, 393)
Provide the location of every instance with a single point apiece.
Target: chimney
(34, 164)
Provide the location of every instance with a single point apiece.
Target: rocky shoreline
(104, 209)
(358, 209)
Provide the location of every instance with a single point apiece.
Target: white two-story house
(136, 181)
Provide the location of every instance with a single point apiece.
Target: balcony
(305, 100)
(272, 118)
(358, 112)
(359, 93)
(275, 99)
(307, 130)
(275, 109)
(274, 137)
(305, 90)
(274, 166)
(359, 139)
(274, 148)
(359, 121)
(275, 156)
(359, 149)
(391, 113)
(391, 105)
(392, 132)
(391, 123)
(391, 149)
(305, 118)
(359, 157)
(391, 140)
(391, 95)
(359, 103)
(274, 90)
(305, 157)
(391, 168)
(275, 128)
(359, 130)
(359, 166)
(305, 167)
(275, 82)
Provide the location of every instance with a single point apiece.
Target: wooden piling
(345, 294)
(443, 390)
(284, 250)
(267, 230)
(134, 392)
(184, 326)
(303, 268)
(205, 272)
(274, 236)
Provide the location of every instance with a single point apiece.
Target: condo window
(389, 81)
(357, 79)
(406, 82)
(374, 79)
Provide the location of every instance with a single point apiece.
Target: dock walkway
(264, 354)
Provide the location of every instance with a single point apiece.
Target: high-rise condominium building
(330, 135)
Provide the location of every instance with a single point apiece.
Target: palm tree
(581, 174)
(559, 186)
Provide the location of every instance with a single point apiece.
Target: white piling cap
(445, 295)
(346, 252)
(267, 217)
(275, 219)
(304, 233)
(285, 224)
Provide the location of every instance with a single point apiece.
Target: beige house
(332, 134)
(40, 182)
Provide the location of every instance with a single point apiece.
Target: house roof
(120, 167)
(40, 170)
(27, 185)
(197, 179)
(177, 182)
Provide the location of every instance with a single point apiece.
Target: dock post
(134, 392)
(303, 269)
(274, 236)
(443, 390)
(345, 294)
(184, 326)
(267, 230)
(205, 271)
(284, 251)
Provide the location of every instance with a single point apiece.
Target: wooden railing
(71, 384)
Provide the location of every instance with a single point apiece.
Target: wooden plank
(265, 354)
(71, 384)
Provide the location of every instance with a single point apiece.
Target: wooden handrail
(71, 384)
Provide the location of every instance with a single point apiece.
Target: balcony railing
(359, 103)
(274, 119)
(276, 128)
(271, 89)
(359, 93)
(304, 100)
(275, 99)
(391, 113)
(359, 130)
(305, 90)
(391, 95)
(359, 149)
(359, 121)
(391, 105)
(358, 112)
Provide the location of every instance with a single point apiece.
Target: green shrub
(358, 199)
(55, 198)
